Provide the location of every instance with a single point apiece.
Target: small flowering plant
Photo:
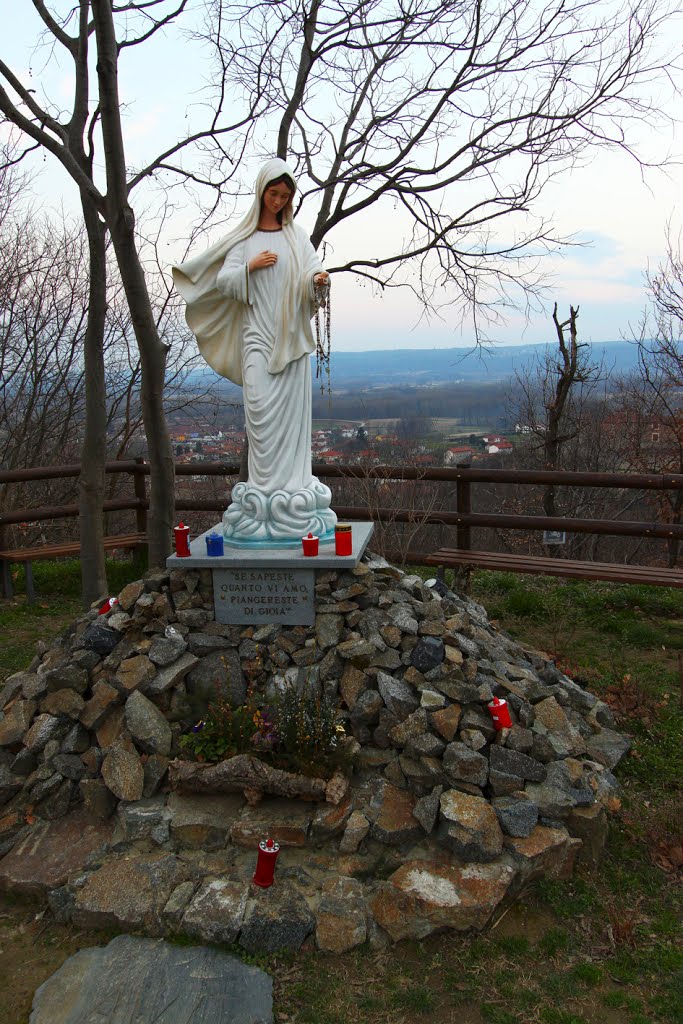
(223, 732)
(300, 733)
(308, 734)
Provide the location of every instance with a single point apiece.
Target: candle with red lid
(182, 540)
(265, 864)
(310, 545)
(500, 713)
(343, 539)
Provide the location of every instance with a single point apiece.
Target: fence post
(463, 505)
(140, 488)
(463, 537)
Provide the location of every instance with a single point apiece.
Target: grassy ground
(597, 950)
(58, 603)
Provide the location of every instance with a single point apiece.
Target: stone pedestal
(254, 586)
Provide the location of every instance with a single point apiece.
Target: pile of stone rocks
(463, 814)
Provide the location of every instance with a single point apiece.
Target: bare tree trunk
(240, 772)
(121, 223)
(93, 451)
(567, 367)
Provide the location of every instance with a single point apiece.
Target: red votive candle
(310, 545)
(182, 540)
(500, 714)
(343, 540)
(265, 864)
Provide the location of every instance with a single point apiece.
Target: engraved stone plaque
(252, 597)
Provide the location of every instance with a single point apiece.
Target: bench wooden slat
(43, 551)
(128, 540)
(571, 569)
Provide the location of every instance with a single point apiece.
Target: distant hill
(430, 367)
(448, 365)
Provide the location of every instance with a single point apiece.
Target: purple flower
(198, 727)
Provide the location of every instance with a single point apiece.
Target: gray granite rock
(202, 821)
(412, 727)
(170, 676)
(608, 747)
(520, 739)
(328, 630)
(462, 764)
(67, 677)
(44, 729)
(138, 820)
(402, 617)
(276, 919)
(517, 815)
(56, 803)
(357, 828)
(201, 644)
(218, 676)
(427, 653)
(100, 638)
(425, 745)
(367, 708)
(178, 901)
(69, 765)
(511, 762)
(123, 773)
(426, 809)
(76, 740)
(194, 618)
(400, 698)
(137, 981)
(167, 648)
(462, 690)
(469, 826)
(216, 911)
(473, 738)
(13, 686)
(98, 799)
(24, 763)
(15, 722)
(9, 784)
(477, 717)
(155, 768)
(147, 725)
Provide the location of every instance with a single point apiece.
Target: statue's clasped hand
(322, 279)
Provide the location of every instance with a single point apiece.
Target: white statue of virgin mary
(250, 300)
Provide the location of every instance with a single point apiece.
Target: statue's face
(276, 197)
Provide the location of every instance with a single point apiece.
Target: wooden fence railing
(462, 516)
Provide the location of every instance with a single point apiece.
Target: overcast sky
(619, 217)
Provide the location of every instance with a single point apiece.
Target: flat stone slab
(134, 981)
(128, 892)
(51, 853)
(285, 557)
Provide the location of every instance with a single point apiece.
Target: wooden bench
(504, 562)
(50, 551)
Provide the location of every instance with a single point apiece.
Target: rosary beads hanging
(323, 334)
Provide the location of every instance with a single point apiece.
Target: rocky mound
(458, 809)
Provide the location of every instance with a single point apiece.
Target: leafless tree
(560, 401)
(43, 318)
(452, 115)
(651, 400)
(44, 295)
(103, 30)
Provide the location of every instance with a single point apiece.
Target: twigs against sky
(450, 117)
(92, 133)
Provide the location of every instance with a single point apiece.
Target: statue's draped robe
(255, 329)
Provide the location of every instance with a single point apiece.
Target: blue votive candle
(214, 544)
